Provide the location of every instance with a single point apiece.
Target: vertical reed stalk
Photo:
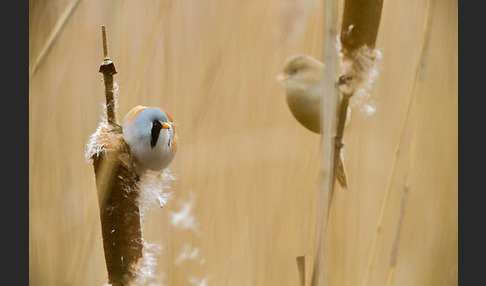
(418, 71)
(328, 123)
(406, 185)
(107, 68)
(52, 39)
(118, 190)
(406, 189)
(361, 19)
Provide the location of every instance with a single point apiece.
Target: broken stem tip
(105, 45)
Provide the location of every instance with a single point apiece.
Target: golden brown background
(246, 170)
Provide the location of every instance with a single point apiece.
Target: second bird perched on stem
(303, 80)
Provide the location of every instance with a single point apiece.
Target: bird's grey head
(301, 72)
(301, 63)
(151, 127)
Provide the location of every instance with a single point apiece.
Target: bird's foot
(344, 79)
(346, 84)
(338, 143)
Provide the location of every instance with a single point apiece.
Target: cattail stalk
(359, 30)
(361, 20)
(120, 218)
(118, 190)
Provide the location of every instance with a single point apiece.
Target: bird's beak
(165, 125)
(282, 77)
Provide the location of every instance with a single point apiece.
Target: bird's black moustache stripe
(156, 126)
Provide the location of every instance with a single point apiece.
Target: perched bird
(302, 78)
(150, 134)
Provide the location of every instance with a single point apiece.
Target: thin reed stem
(406, 190)
(52, 39)
(104, 42)
(359, 29)
(107, 68)
(327, 143)
(411, 99)
(394, 253)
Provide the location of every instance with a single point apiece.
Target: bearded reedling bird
(150, 134)
(302, 78)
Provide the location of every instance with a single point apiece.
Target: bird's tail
(341, 172)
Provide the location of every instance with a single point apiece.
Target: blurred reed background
(246, 171)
